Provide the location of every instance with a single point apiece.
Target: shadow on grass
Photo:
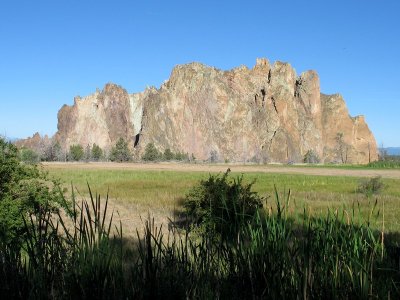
(273, 256)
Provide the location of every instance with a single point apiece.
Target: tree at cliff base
(120, 152)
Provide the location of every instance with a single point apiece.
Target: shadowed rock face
(264, 114)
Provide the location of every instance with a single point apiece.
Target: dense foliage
(24, 189)
(76, 152)
(220, 205)
(29, 156)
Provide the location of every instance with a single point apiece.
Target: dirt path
(395, 174)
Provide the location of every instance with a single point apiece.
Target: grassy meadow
(324, 239)
(161, 191)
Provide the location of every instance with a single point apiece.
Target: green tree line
(120, 152)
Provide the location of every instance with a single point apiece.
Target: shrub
(23, 189)
(76, 152)
(370, 186)
(181, 156)
(220, 205)
(10, 168)
(29, 156)
(121, 151)
(311, 157)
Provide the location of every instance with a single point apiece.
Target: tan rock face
(99, 118)
(36, 142)
(264, 114)
(360, 144)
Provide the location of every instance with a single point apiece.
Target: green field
(162, 190)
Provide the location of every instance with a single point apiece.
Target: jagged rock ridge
(264, 114)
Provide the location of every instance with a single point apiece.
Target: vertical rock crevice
(274, 104)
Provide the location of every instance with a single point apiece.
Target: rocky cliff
(263, 114)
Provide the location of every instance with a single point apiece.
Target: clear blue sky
(51, 51)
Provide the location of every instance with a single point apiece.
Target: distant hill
(392, 150)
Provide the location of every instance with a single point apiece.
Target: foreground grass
(163, 190)
(268, 257)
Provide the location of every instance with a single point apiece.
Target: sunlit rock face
(264, 114)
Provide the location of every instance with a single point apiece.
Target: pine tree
(121, 151)
(76, 152)
(97, 152)
(151, 153)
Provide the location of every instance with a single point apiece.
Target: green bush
(24, 189)
(371, 186)
(10, 167)
(181, 156)
(29, 156)
(76, 152)
(221, 205)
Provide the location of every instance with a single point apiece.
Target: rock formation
(264, 114)
(36, 143)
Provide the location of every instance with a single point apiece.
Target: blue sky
(51, 51)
